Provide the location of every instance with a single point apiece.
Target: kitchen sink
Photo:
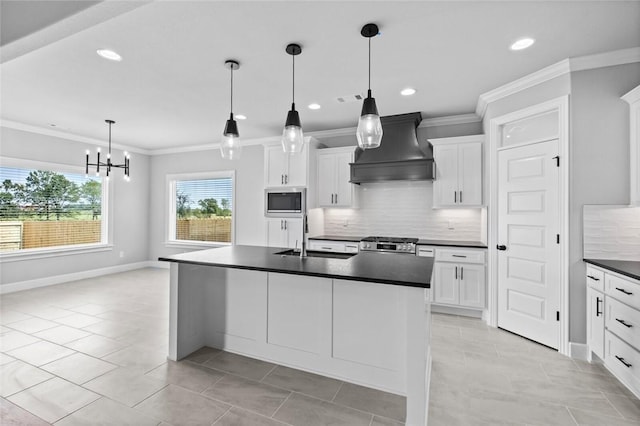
(311, 253)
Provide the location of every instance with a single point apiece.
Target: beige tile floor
(94, 352)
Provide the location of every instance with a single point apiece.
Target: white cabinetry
(633, 98)
(613, 323)
(284, 232)
(595, 312)
(458, 163)
(334, 189)
(459, 278)
(333, 246)
(282, 169)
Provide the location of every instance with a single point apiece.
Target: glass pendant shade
(369, 132)
(229, 146)
(292, 136)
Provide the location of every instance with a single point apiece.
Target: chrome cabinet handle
(458, 255)
(455, 196)
(456, 273)
(285, 225)
(593, 278)
(462, 272)
(331, 198)
(286, 178)
(281, 225)
(281, 179)
(624, 323)
(336, 198)
(598, 311)
(626, 364)
(628, 293)
(460, 196)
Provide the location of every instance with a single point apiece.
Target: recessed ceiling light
(408, 91)
(109, 54)
(314, 106)
(241, 117)
(522, 43)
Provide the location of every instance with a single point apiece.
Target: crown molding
(450, 120)
(69, 136)
(212, 146)
(533, 79)
(581, 63)
(332, 133)
(632, 96)
(607, 59)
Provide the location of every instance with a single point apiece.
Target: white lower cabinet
(284, 232)
(595, 322)
(613, 323)
(459, 278)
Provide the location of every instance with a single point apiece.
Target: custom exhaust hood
(399, 156)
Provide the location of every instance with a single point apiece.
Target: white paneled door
(529, 249)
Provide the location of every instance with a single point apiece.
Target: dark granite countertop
(629, 268)
(385, 268)
(449, 243)
(444, 243)
(337, 238)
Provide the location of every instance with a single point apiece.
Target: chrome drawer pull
(624, 323)
(458, 255)
(626, 364)
(628, 293)
(593, 278)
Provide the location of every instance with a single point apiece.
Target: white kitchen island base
(376, 335)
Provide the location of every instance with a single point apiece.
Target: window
(201, 208)
(46, 208)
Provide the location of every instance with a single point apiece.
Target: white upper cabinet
(633, 98)
(334, 189)
(282, 169)
(458, 164)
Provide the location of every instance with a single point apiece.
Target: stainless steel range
(389, 245)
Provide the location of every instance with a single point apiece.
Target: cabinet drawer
(623, 361)
(623, 321)
(460, 256)
(623, 290)
(595, 278)
(321, 245)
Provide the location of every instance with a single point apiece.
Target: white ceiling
(172, 90)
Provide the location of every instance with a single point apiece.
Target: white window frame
(170, 238)
(106, 236)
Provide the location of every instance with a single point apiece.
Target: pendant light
(369, 133)
(229, 146)
(292, 136)
(108, 164)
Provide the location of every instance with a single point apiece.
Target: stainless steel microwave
(284, 202)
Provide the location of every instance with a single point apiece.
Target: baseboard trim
(453, 310)
(579, 351)
(59, 279)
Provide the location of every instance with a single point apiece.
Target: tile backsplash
(402, 209)
(611, 232)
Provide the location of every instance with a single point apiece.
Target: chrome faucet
(303, 248)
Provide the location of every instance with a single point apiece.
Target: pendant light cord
(293, 80)
(232, 89)
(110, 138)
(369, 63)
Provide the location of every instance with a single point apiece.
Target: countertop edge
(602, 263)
(289, 272)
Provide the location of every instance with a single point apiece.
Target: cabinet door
(276, 166)
(470, 174)
(446, 283)
(343, 189)
(326, 179)
(293, 229)
(445, 186)
(595, 322)
(296, 174)
(276, 233)
(472, 285)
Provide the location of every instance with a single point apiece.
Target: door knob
(501, 247)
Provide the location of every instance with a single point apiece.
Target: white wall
(130, 207)
(249, 202)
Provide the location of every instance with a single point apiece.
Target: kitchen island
(363, 319)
